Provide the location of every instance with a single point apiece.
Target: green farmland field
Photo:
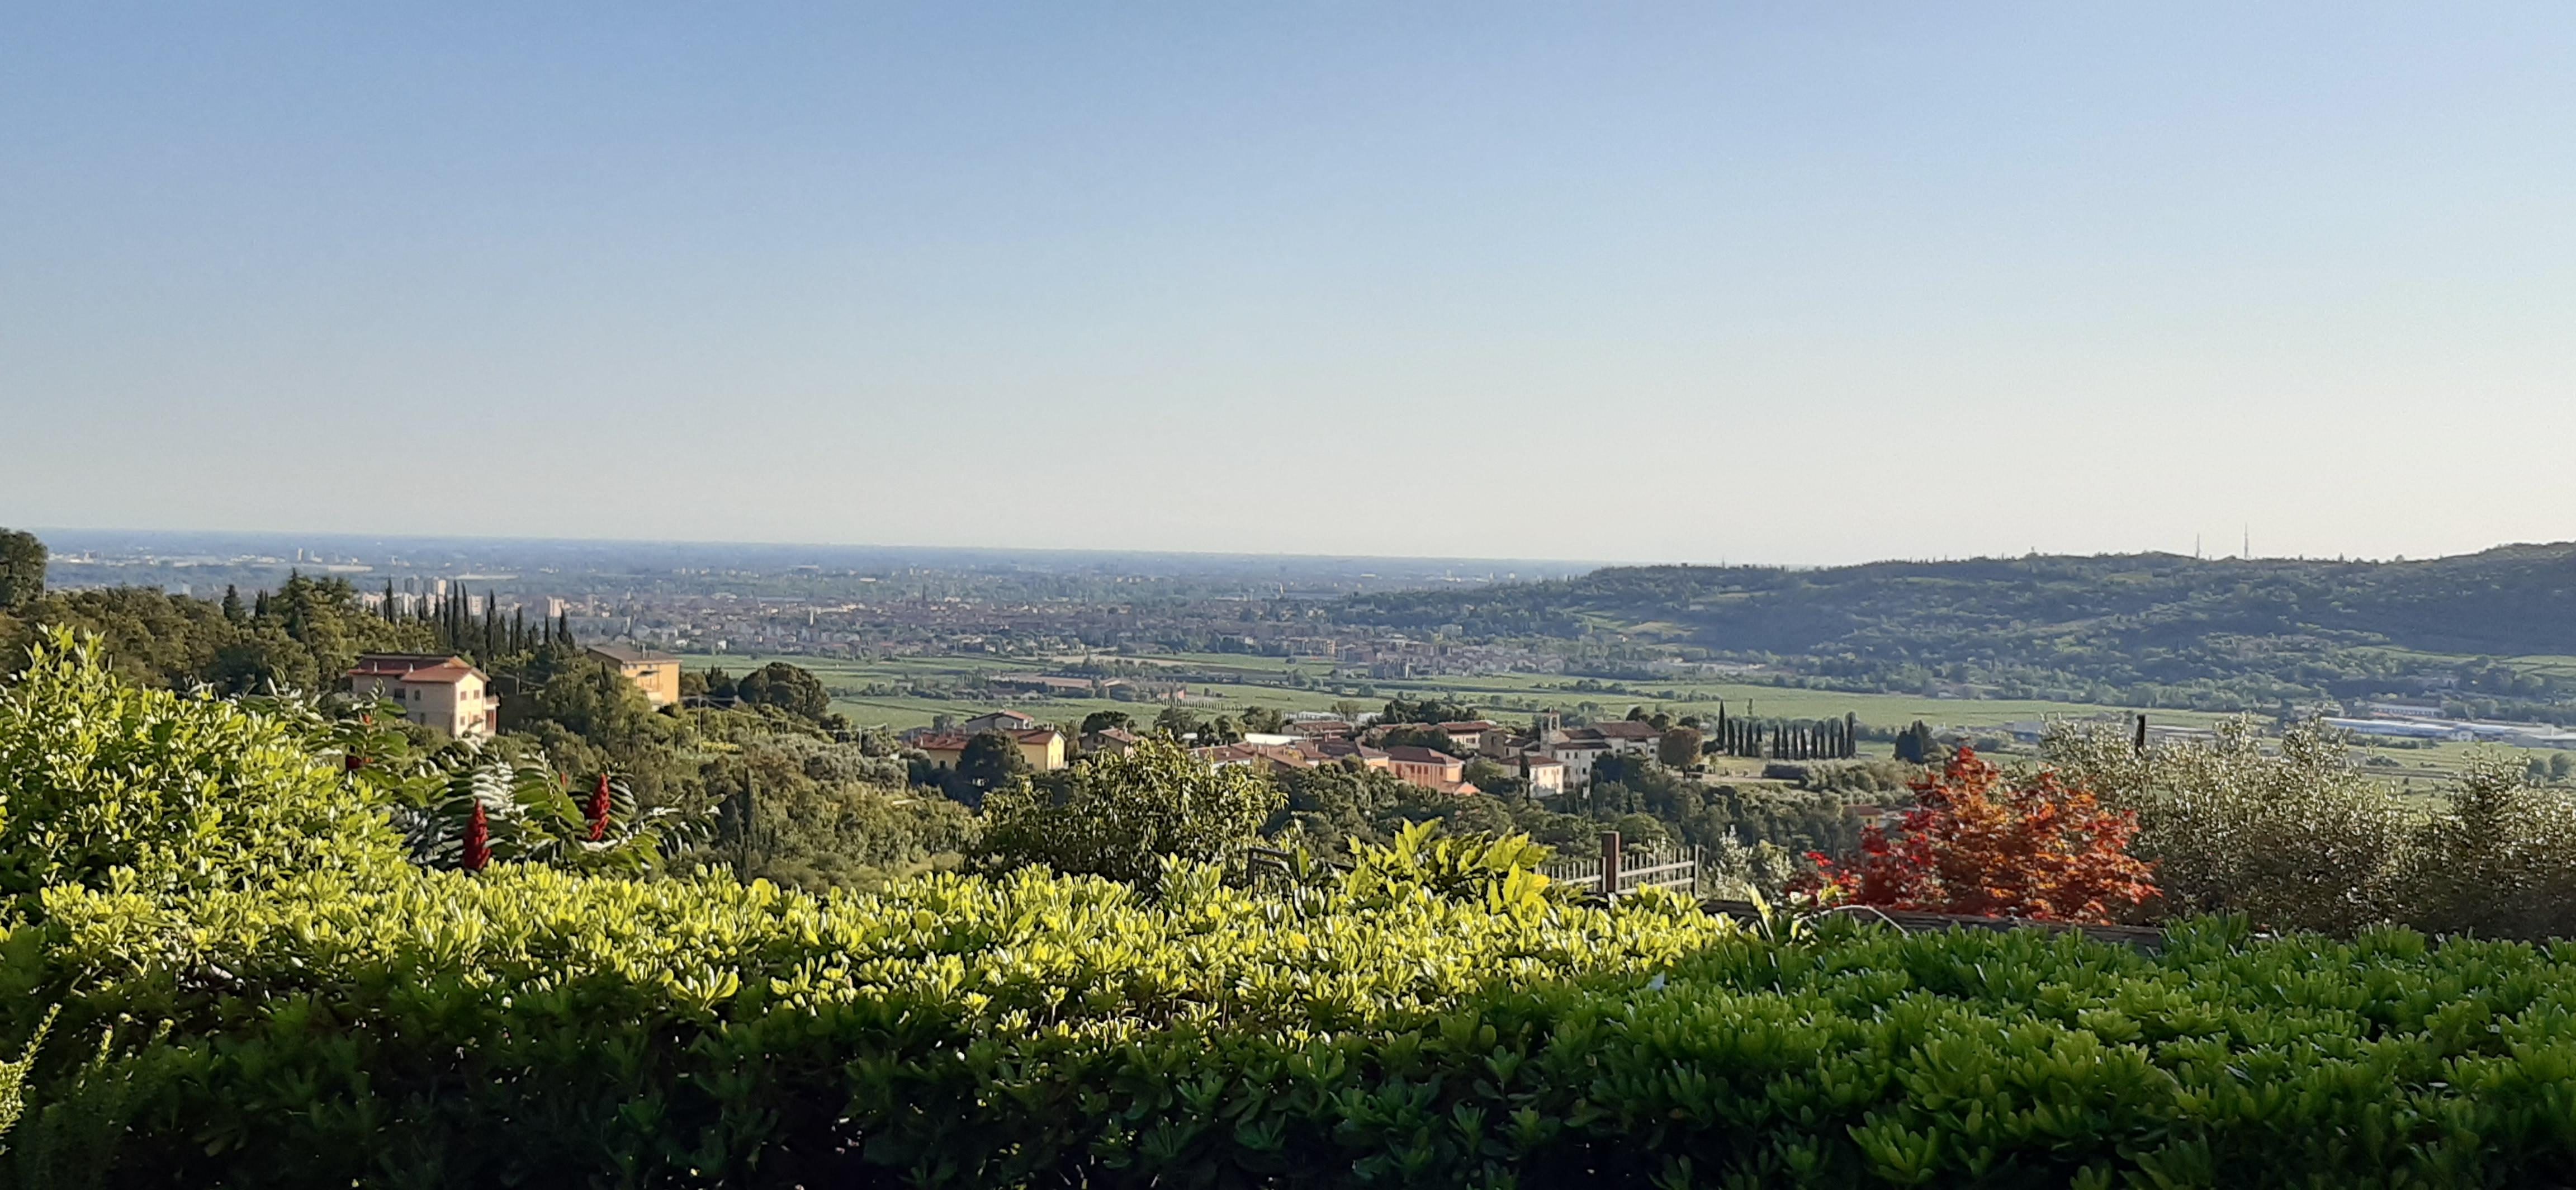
(2420, 771)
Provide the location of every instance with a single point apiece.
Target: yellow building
(439, 692)
(1042, 747)
(655, 673)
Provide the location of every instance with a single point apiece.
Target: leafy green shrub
(106, 785)
(2295, 836)
(1119, 815)
(2498, 860)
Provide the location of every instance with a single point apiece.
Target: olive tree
(2295, 836)
(1119, 815)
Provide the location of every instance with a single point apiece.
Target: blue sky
(1781, 282)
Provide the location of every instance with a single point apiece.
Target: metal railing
(1622, 870)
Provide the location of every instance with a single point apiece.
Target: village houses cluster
(1548, 757)
(453, 698)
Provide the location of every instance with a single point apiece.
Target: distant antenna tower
(2246, 551)
(2195, 546)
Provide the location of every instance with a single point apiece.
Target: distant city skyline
(1770, 283)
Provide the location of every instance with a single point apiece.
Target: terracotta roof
(624, 655)
(1468, 725)
(446, 673)
(390, 665)
(1627, 729)
(1275, 755)
(1119, 734)
(1033, 735)
(1334, 748)
(1005, 713)
(1542, 761)
(951, 742)
(1409, 754)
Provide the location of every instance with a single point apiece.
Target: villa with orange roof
(440, 692)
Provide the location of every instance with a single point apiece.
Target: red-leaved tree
(1981, 843)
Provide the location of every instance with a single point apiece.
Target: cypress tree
(232, 604)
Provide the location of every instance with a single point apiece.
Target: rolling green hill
(2149, 629)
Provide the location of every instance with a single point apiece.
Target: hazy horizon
(291, 538)
(1772, 283)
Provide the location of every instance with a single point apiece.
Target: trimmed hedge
(541, 1029)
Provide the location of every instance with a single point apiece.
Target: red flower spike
(597, 810)
(478, 840)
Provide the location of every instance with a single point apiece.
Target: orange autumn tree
(1982, 843)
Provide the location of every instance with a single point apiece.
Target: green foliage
(1428, 710)
(1118, 815)
(530, 816)
(13, 1077)
(786, 687)
(22, 569)
(1414, 735)
(1914, 744)
(1679, 747)
(303, 636)
(1499, 874)
(990, 761)
(2293, 835)
(2499, 860)
(826, 815)
(1104, 720)
(104, 785)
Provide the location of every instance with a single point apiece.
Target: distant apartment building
(437, 691)
(655, 673)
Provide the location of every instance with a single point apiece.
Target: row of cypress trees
(1781, 739)
(483, 638)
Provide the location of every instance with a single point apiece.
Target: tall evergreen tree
(22, 568)
(233, 610)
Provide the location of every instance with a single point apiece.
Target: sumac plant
(500, 811)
